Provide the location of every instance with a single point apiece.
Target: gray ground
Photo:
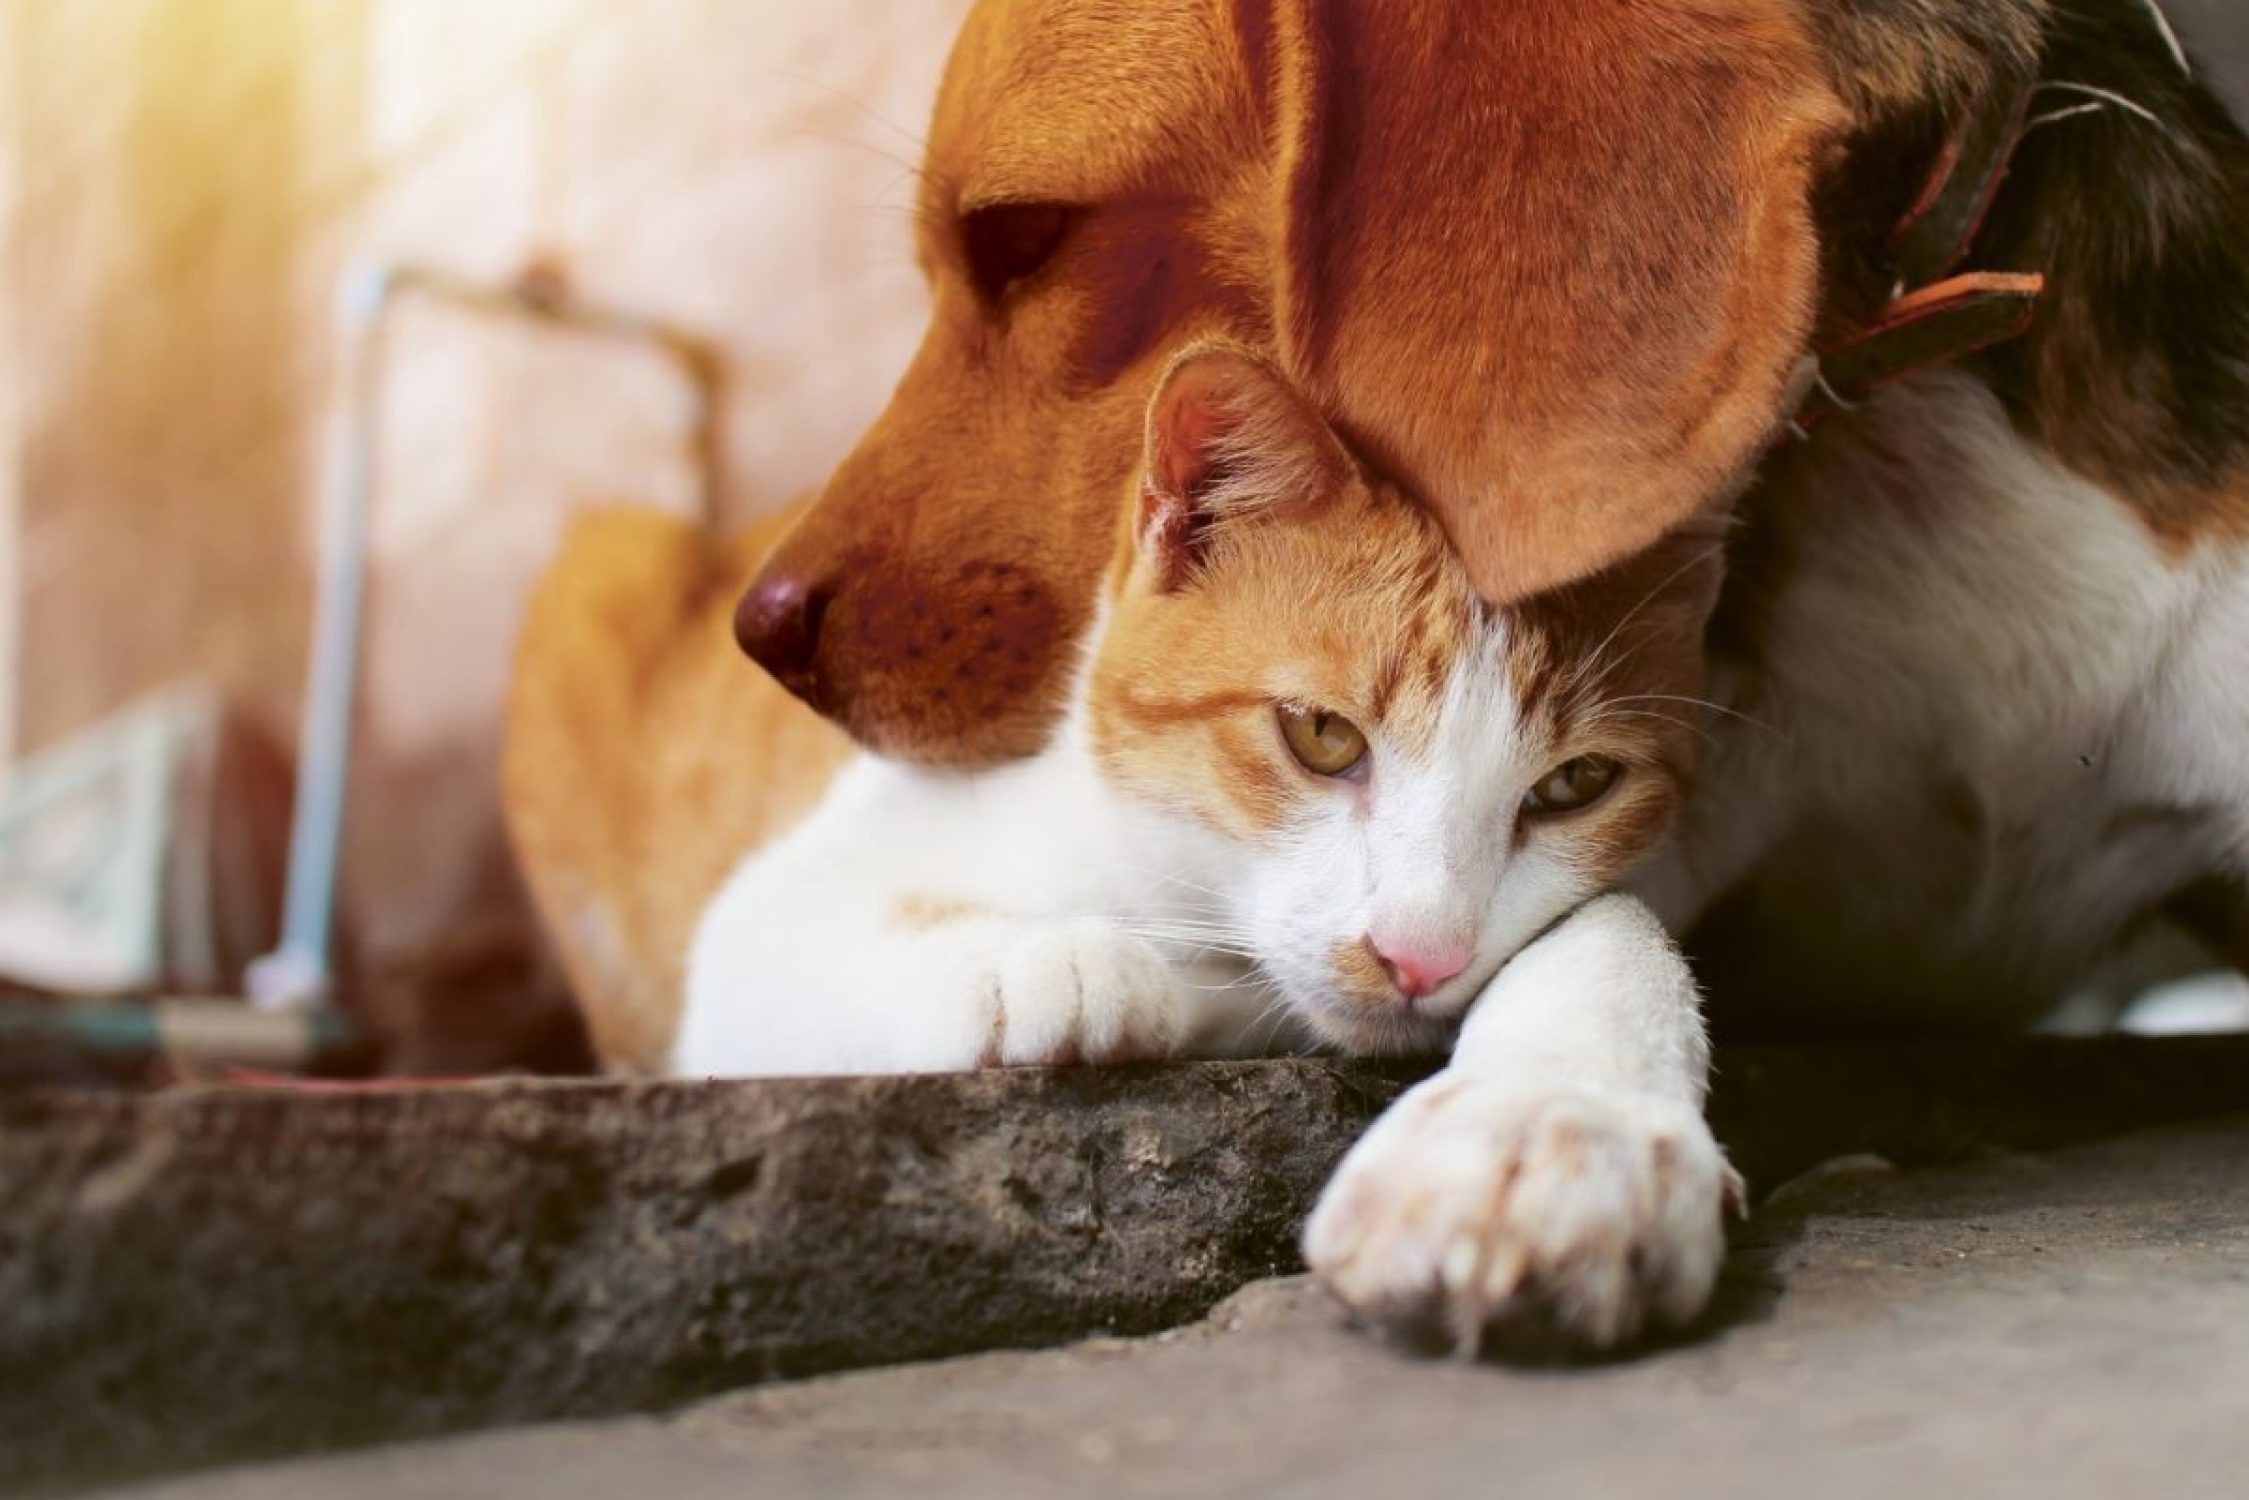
(2072, 1324)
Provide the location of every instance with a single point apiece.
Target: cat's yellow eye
(1324, 743)
(1573, 784)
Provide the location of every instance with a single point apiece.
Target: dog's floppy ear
(1548, 263)
(1227, 440)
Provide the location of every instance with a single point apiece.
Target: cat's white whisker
(1271, 1018)
(1214, 989)
(1702, 731)
(1716, 708)
(1597, 656)
(1185, 929)
(1179, 880)
(1229, 945)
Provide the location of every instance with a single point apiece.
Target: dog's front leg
(1557, 1174)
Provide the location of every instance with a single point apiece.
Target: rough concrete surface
(214, 1276)
(2059, 1326)
(224, 1274)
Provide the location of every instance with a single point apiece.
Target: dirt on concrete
(2075, 1324)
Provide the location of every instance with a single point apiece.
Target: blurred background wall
(11, 383)
(182, 183)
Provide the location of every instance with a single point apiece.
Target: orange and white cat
(1308, 789)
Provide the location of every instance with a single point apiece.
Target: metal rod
(298, 972)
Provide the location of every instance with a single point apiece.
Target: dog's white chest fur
(1990, 719)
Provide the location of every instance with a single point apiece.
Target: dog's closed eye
(1008, 242)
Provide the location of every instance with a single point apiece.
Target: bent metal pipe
(297, 973)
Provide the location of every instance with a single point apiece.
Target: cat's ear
(1229, 439)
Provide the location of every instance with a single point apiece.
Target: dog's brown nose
(778, 625)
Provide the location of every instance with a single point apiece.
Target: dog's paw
(1479, 1208)
(1085, 990)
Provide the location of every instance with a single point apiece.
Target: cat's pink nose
(1418, 966)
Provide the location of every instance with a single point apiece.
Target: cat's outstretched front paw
(1083, 990)
(1478, 1207)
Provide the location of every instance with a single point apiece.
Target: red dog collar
(1932, 314)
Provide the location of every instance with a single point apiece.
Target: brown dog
(1097, 192)
(1553, 266)
(1548, 262)
(1304, 179)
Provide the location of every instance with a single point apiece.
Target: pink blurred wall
(193, 175)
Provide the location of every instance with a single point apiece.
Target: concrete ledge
(219, 1274)
(2057, 1327)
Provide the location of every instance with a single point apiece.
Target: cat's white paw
(1083, 990)
(1477, 1206)
(1086, 991)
